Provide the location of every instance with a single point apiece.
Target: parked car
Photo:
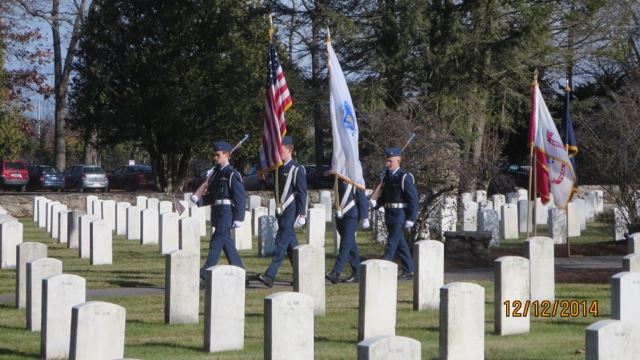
(84, 177)
(253, 180)
(45, 177)
(14, 175)
(132, 177)
(511, 176)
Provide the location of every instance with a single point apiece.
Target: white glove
(237, 224)
(408, 224)
(210, 171)
(194, 199)
(372, 203)
(300, 221)
(365, 223)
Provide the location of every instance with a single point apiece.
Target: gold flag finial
(270, 28)
(535, 78)
(328, 35)
(566, 85)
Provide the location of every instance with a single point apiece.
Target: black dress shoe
(406, 276)
(265, 280)
(333, 277)
(351, 279)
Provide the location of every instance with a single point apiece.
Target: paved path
(562, 264)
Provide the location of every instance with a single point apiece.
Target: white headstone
(182, 287)
(461, 321)
(470, 216)
(378, 299)
(97, 208)
(599, 201)
(256, 214)
(101, 252)
(525, 213)
(197, 213)
(428, 257)
(63, 226)
(573, 219)
(498, 201)
(590, 205)
(36, 206)
(169, 233)
(224, 308)
(141, 202)
(625, 297)
(133, 223)
(55, 219)
(89, 199)
(11, 235)
(582, 213)
(153, 204)
(540, 252)
(121, 217)
(84, 236)
(73, 229)
(509, 223)
(325, 199)
(165, 207)
(288, 326)
(631, 263)
(272, 207)
(254, 202)
(612, 340)
(466, 197)
(267, 229)
(557, 226)
(542, 212)
(511, 284)
(36, 271)
(481, 195)
(97, 331)
(149, 227)
(109, 213)
(242, 235)
(389, 348)
(316, 226)
(42, 212)
(308, 274)
(189, 237)
(26, 252)
(59, 294)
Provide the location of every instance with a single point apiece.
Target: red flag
(277, 101)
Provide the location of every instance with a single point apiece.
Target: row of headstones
(507, 216)
(91, 233)
(619, 337)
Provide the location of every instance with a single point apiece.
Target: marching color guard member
(400, 200)
(226, 194)
(353, 208)
(291, 210)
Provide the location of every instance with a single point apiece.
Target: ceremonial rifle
(203, 187)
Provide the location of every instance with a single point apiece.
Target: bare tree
(610, 143)
(62, 17)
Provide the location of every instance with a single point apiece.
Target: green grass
(148, 337)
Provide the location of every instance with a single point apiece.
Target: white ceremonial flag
(550, 152)
(346, 157)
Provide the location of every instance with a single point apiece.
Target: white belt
(284, 206)
(222, 202)
(395, 205)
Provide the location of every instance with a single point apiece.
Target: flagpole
(567, 89)
(275, 170)
(532, 170)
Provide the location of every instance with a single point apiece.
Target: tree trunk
(90, 151)
(60, 97)
(315, 83)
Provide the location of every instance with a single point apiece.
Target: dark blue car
(45, 177)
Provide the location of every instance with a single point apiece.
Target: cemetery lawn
(147, 337)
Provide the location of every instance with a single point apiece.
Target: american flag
(179, 207)
(277, 101)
